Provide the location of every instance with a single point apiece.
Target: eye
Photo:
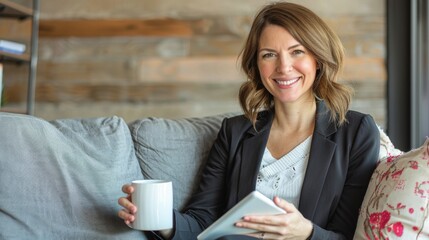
(268, 55)
(297, 52)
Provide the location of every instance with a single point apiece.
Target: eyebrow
(271, 50)
(294, 46)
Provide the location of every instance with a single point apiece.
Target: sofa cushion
(396, 202)
(61, 179)
(175, 149)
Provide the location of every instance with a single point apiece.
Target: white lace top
(284, 177)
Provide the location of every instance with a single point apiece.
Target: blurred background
(169, 58)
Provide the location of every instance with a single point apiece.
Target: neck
(295, 117)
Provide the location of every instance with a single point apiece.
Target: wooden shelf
(14, 58)
(9, 9)
(14, 10)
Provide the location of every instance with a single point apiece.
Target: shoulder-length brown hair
(317, 37)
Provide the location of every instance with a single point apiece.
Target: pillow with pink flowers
(396, 202)
(387, 149)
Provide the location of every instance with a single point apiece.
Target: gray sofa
(61, 179)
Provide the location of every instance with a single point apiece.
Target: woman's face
(287, 68)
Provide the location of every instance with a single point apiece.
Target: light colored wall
(198, 75)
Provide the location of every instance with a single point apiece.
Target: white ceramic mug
(154, 202)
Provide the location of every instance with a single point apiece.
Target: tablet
(253, 204)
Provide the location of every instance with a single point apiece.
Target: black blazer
(340, 165)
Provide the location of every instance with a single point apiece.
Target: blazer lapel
(321, 154)
(251, 154)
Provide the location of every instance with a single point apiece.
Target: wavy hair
(317, 37)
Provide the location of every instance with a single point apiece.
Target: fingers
(273, 225)
(129, 209)
(285, 205)
(127, 204)
(260, 223)
(278, 219)
(127, 214)
(128, 189)
(263, 235)
(289, 225)
(263, 231)
(127, 217)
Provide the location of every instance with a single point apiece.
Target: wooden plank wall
(173, 58)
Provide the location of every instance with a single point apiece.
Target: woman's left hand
(291, 225)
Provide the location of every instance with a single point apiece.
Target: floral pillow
(386, 146)
(396, 202)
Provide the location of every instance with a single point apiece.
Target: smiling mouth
(287, 82)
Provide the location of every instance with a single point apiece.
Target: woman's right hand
(129, 209)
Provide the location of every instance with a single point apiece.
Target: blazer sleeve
(207, 203)
(363, 157)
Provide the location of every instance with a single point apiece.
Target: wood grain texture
(114, 27)
(165, 93)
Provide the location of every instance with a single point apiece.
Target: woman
(297, 142)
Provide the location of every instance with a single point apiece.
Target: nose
(284, 64)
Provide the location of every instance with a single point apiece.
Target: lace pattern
(284, 177)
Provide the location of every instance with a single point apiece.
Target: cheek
(310, 67)
(265, 70)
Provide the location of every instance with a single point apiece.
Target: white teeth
(288, 82)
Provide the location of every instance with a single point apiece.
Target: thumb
(285, 205)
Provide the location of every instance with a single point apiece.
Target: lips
(287, 82)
